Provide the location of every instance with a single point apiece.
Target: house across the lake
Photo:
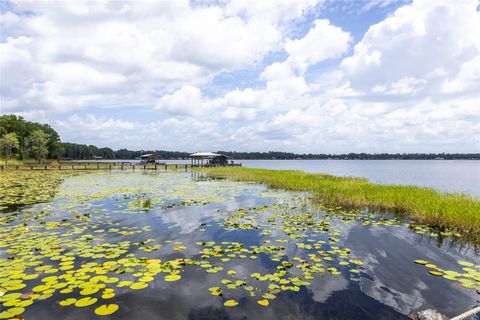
(210, 159)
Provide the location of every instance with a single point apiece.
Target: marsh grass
(457, 212)
(147, 203)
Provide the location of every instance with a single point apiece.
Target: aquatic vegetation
(60, 248)
(23, 188)
(106, 309)
(85, 243)
(147, 203)
(468, 277)
(230, 303)
(451, 213)
(263, 302)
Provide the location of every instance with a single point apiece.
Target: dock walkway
(103, 166)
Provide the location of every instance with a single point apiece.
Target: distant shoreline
(263, 159)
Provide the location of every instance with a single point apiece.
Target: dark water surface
(254, 230)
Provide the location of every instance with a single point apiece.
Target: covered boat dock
(148, 158)
(210, 159)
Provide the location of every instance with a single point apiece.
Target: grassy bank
(457, 212)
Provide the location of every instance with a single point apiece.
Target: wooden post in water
(144, 167)
(59, 167)
(186, 167)
(17, 166)
(175, 167)
(155, 167)
(109, 167)
(98, 166)
(31, 167)
(165, 167)
(46, 167)
(122, 166)
(133, 167)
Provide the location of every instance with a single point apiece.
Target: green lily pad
(106, 309)
(85, 302)
(172, 277)
(230, 303)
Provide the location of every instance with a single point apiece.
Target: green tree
(23, 128)
(8, 142)
(36, 145)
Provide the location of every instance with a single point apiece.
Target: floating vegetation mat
(81, 245)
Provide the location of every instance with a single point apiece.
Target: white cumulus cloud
(415, 49)
(246, 75)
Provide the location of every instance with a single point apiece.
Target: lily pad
(106, 309)
(172, 277)
(67, 302)
(263, 302)
(230, 303)
(139, 285)
(85, 302)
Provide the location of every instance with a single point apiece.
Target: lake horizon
(452, 176)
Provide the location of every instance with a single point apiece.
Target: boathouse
(148, 158)
(201, 159)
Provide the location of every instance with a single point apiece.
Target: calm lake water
(461, 176)
(131, 233)
(450, 176)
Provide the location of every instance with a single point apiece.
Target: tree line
(76, 151)
(22, 139)
(276, 155)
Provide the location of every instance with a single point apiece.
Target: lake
(462, 176)
(179, 245)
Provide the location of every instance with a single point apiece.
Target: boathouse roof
(147, 155)
(205, 155)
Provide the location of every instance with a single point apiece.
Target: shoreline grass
(456, 212)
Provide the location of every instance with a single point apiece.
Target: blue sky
(301, 76)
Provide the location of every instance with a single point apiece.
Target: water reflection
(191, 211)
(395, 281)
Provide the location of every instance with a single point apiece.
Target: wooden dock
(103, 166)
